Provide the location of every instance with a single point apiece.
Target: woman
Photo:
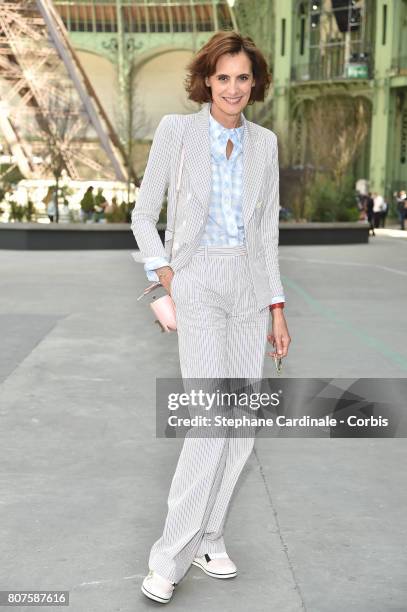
(49, 201)
(224, 279)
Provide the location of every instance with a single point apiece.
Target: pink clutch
(163, 308)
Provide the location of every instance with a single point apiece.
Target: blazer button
(258, 205)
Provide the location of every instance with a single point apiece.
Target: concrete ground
(315, 524)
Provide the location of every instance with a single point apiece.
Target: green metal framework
(356, 48)
(334, 40)
(314, 48)
(144, 16)
(50, 116)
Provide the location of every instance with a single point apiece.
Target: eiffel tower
(43, 84)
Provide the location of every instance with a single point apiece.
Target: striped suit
(221, 295)
(260, 197)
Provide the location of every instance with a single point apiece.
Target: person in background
(363, 206)
(369, 213)
(111, 207)
(88, 204)
(51, 204)
(100, 204)
(401, 200)
(383, 213)
(360, 201)
(378, 203)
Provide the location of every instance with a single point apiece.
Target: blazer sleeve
(270, 222)
(150, 197)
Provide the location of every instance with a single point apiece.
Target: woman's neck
(227, 121)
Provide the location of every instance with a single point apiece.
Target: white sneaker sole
(213, 574)
(154, 597)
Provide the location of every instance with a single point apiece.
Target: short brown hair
(204, 63)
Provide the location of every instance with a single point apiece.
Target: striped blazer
(260, 197)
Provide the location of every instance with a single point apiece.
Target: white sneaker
(157, 587)
(217, 565)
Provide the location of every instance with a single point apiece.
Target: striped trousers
(221, 333)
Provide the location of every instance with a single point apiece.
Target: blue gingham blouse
(225, 221)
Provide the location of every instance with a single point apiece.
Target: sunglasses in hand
(278, 361)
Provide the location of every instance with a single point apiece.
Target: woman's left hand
(165, 275)
(279, 336)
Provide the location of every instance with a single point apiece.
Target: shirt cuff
(277, 299)
(152, 276)
(151, 264)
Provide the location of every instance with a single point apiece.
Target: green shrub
(327, 202)
(121, 213)
(30, 211)
(22, 213)
(16, 211)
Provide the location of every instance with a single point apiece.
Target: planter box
(323, 233)
(88, 236)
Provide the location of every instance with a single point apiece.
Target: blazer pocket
(260, 252)
(259, 210)
(168, 235)
(261, 202)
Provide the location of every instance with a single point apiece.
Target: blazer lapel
(198, 161)
(254, 163)
(198, 156)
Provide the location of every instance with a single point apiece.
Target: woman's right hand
(165, 276)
